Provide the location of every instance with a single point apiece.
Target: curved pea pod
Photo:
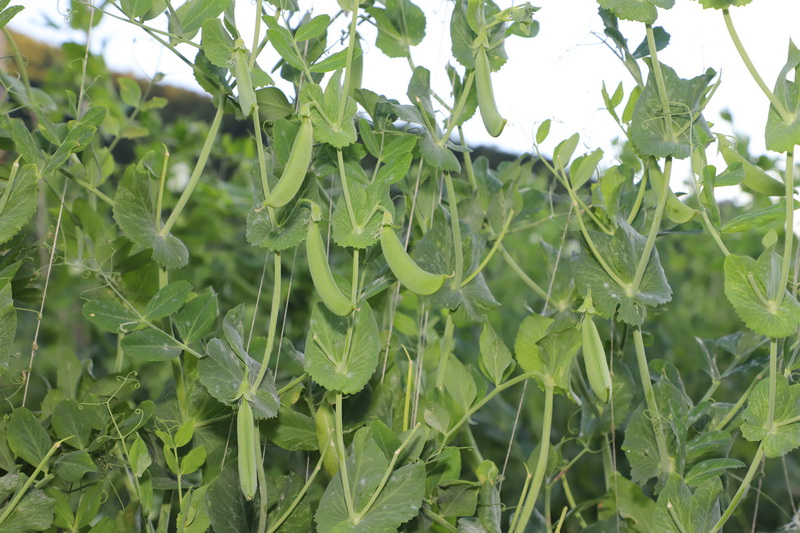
(247, 438)
(404, 268)
(492, 120)
(326, 438)
(247, 95)
(296, 166)
(594, 359)
(321, 274)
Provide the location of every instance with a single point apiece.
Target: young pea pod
(247, 95)
(326, 438)
(594, 359)
(492, 120)
(249, 449)
(321, 274)
(404, 268)
(296, 166)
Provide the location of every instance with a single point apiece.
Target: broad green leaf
(396, 158)
(710, 468)
(458, 381)
(139, 456)
(110, 316)
(134, 210)
(272, 104)
(401, 25)
(197, 317)
(331, 360)
(622, 252)
(292, 430)
(783, 134)
(328, 127)
(70, 419)
(34, 512)
(136, 8)
(680, 511)
(18, 202)
(785, 435)
(228, 510)
(758, 218)
(722, 4)
(564, 150)
(281, 39)
(130, 91)
(654, 134)
(368, 219)
(8, 326)
(290, 229)
(640, 447)
(167, 300)
(26, 436)
(313, 28)
(457, 498)
(765, 319)
(754, 177)
(547, 349)
(150, 345)
(78, 138)
(495, 358)
(198, 12)
(72, 466)
(627, 498)
(193, 460)
(333, 62)
(217, 44)
(221, 372)
(639, 10)
(583, 167)
(7, 14)
(676, 211)
(23, 141)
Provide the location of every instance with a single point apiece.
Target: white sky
(556, 75)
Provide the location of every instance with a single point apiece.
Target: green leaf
(150, 345)
(130, 91)
(680, 511)
(708, 469)
(197, 317)
(333, 359)
(290, 227)
(167, 300)
(676, 135)
(281, 39)
(325, 112)
(228, 510)
(193, 460)
(134, 212)
(765, 319)
(7, 14)
(583, 167)
(367, 217)
(722, 4)
(26, 437)
(639, 10)
(400, 25)
(457, 498)
(758, 218)
(221, 372)
(628, 499)
(136, 8)
(18, 204)
(110, 316)
(783, 134)
(755, 178)
(622, 252)
(547, 349)
(72, 466)
(217, 44)
(272, 104)
(785, 435)
(8, 326)
(495, 358)
(640, 447)
(198, 11)
(70, 419)
(292, 430)
(333, 62)
(23, 141)
(313, 28)
(34, 512)
(139, 457)
(458, 381)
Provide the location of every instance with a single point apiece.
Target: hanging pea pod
(404, 268)
(249, 448)
(321, 274)
(247, 95)
(326, 438)
(594, 359)
(492, 120)
(296, 166)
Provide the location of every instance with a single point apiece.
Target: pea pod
(404, 268)
(321, 274)
(326, 438)
(249, 448)
(296, 166)
(247, 95)
(492, 120)
(594, 359)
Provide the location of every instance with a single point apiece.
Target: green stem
(665, 460)
(9, 184)
(351, 44)
(292, 383)
(541, 464)
(751, 68)
(462, 100)
(254, 49)
(608, 463)
(455, 283)
(660, 85)
(491, 253)
(773, 385)
(282, 518)
(742, 490)
(572, 503)
(789, 237)
(89, 187)
(521, 273)
(654, 227)
(637, 204)
(198, 169)
(354, 279)
(10, 506)
(262, 161)
(473, 183)
(440, 520)
(740, 403)
(348, 497)
(273, 320)
(346, 190)
(523, 493)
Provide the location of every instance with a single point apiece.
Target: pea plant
(319, 310)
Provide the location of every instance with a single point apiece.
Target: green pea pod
(249, 448)
(492, 120)
(321, 274)
(594, 359)
(296, 166)
(326, 438)
(404, 268)
(247, 95)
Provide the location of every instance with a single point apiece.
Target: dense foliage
(201, 330)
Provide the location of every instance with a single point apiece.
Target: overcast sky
(556, 75)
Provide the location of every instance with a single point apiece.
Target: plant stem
(742, 490)
(346, 191)
(440, 520)
(282, 518)
(789, 237)
(773, 384)
(198, 169)
(660, 85)
(468, 161)
(455, 283)
(262, 162)
(273, 320)
(348, 497)
(10, 506)
(654, 227)
(541, 464)
(751, 68)
(739, 404)
(451, 124)
(521, 273)
(351, 44)
(665, 460)
(498, 241)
